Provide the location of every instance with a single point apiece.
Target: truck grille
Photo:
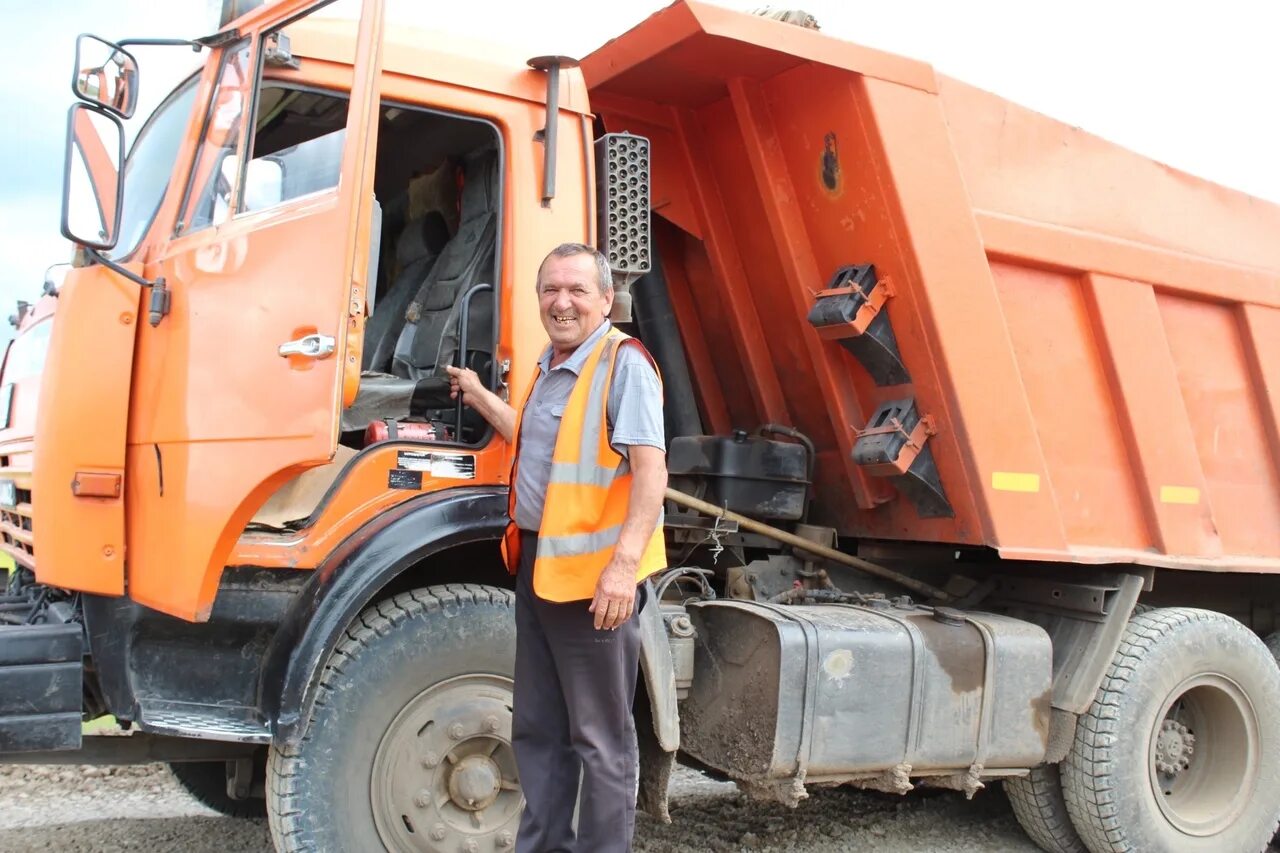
(16, 538)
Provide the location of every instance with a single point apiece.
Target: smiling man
(586, 529)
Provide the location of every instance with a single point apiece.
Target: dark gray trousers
(572, 719)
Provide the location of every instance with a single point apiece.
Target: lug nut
(491, 724)
(430, 760)
(438, 832)
(472, 847)
(423, 799)
(505, 839)
(455, 731)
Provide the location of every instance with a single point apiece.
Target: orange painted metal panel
(745, 331)
(1143, 384)
(1027, 166)
(1086, 458)
(845, 207)
(227, 419)
(798, 275)
(530, 230)
(1047, 288)
(81, 427)
(1227, 422)
(358, 496)
(1261, 329)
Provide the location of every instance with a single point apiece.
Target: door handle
(311, 346)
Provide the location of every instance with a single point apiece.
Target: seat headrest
(480, 184)
(436, 191)
(422, 237)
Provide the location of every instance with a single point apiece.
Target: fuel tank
(883, 692)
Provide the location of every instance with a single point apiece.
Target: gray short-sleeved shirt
(634, 413)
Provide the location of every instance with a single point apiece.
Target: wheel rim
(444, 776)
(1204, 754)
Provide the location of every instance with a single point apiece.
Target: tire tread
(1091, 796)
(1041, 810)
(286, 765)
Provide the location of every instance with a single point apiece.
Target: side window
(298, 138)
(150, 164)
(295, 144)
(217, 161)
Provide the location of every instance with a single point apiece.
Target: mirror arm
(160, 297)
(194, 45)
(218, 39)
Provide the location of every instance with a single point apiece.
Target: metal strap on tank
(915, 719)
(986, 713)
(810, 699)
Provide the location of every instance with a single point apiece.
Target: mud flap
(658, 719)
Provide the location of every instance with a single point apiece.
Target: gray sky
(1191, 84)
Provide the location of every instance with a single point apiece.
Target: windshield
(28, 351)
(150, 165)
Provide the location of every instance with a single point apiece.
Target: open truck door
(241, 374)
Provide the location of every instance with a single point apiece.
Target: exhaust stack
(232, 9)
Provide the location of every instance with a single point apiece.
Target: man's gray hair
(568, 250)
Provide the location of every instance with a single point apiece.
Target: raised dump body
(1083, 344)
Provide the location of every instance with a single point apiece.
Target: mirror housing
(105, 75)
(91, 179)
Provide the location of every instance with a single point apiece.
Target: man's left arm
(615, 597)
(637, 432)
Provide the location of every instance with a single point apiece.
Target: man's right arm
(491, 407)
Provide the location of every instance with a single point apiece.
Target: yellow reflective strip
(1012, 481)
(1179, 495)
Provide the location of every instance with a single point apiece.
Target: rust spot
(1040, 711)
(958, 649)
(831, 163)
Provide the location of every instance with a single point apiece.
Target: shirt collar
(575, 362)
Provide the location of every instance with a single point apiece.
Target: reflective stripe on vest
(587, 496)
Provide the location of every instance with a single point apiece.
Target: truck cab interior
(437, 190)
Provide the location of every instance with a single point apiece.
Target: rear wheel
(1181, 747)
(207, 782)
(1041, 810)
(408, 747)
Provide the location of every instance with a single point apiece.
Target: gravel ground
(106, 809)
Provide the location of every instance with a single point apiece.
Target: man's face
(570, 300)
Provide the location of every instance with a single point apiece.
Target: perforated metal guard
(622, 192)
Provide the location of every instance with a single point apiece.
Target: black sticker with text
(399, 478)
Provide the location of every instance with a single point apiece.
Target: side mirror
(91, 199)
(106, 75)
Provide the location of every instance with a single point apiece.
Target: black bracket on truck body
(1085, 620)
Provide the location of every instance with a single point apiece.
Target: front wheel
(408, 747)
(1180, 750)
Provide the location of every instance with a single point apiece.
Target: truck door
(240, 388)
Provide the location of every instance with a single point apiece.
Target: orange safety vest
(587, 497)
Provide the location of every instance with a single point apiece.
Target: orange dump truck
(973, 434)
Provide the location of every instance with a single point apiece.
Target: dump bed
(1086, 342)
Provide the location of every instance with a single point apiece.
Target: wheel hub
(444, 776)
(475, 782)
(1204, 754)
(1175, 746)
